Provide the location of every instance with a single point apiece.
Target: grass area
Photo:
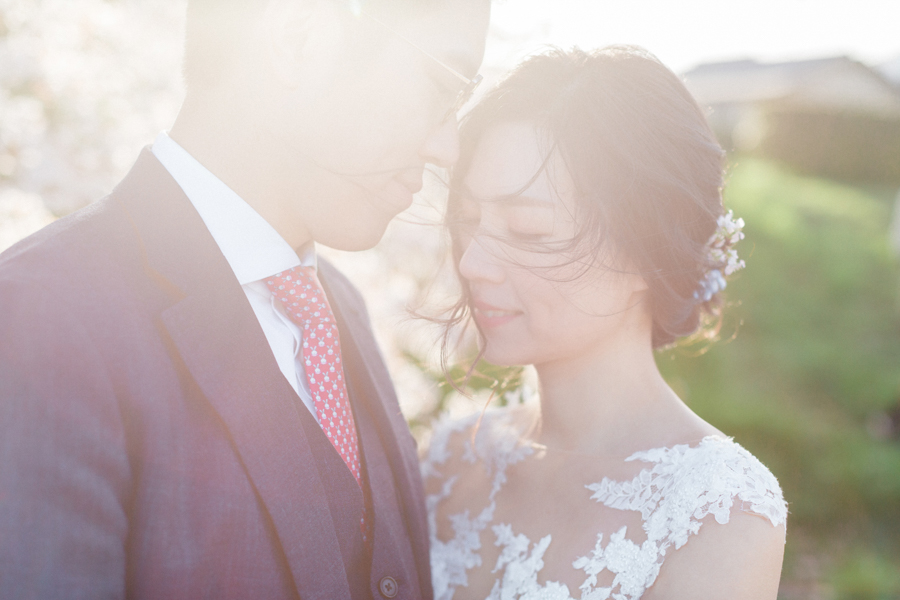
(815, 362)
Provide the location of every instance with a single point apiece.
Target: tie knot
(295, 280)
(292, 276)
(298, 289)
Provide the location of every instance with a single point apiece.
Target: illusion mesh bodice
(654, 510)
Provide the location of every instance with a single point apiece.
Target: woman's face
(535, 299)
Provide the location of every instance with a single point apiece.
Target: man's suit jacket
(151, 448)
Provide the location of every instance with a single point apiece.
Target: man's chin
(348, 241)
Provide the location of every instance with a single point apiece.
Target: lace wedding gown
(662, 499)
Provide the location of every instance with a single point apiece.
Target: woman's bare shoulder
(739, 560)
(735, 547)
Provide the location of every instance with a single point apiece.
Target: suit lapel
(380, 392)
(393, 467)
(367, 369)
(221, 344)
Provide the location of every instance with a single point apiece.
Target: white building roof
(840, 83)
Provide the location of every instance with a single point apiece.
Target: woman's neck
(609, 402)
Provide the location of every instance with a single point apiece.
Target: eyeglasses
(464, 95)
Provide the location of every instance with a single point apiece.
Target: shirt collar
(252, 247)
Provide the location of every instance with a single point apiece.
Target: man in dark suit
(162, 430)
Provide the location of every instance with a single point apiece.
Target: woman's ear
(637, 286)
(304, 39)
(632, 280)
(640, 284)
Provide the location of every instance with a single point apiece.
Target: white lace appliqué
(684, 485)
(497, 447)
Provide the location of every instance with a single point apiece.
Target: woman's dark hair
(647, 169)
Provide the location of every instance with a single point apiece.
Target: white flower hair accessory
(729, 231)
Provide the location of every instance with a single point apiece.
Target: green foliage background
(814, 362)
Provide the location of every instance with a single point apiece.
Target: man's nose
(441, 147)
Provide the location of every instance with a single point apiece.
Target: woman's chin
(504, 357)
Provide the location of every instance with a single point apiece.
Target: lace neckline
(537, 447)
(679, 486)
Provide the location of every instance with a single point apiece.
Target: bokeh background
(804, 95)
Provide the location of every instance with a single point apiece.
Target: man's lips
(398, 196)
(411, 179)
(414, 187)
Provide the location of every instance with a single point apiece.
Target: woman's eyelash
(526, 237)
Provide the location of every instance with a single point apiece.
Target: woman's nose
(480, 263)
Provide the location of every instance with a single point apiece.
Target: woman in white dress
(588, 229)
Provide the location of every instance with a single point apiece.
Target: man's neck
(240, 153)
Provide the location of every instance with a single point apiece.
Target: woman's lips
(488, 316)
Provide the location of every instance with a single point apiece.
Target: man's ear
(304, 39)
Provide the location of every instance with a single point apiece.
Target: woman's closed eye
(529, 224)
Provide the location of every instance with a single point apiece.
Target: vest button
(388, 587)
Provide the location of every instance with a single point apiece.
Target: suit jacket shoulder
(149, 446)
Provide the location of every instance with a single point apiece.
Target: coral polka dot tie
(299, 291)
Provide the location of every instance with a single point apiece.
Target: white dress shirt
(253, 249)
